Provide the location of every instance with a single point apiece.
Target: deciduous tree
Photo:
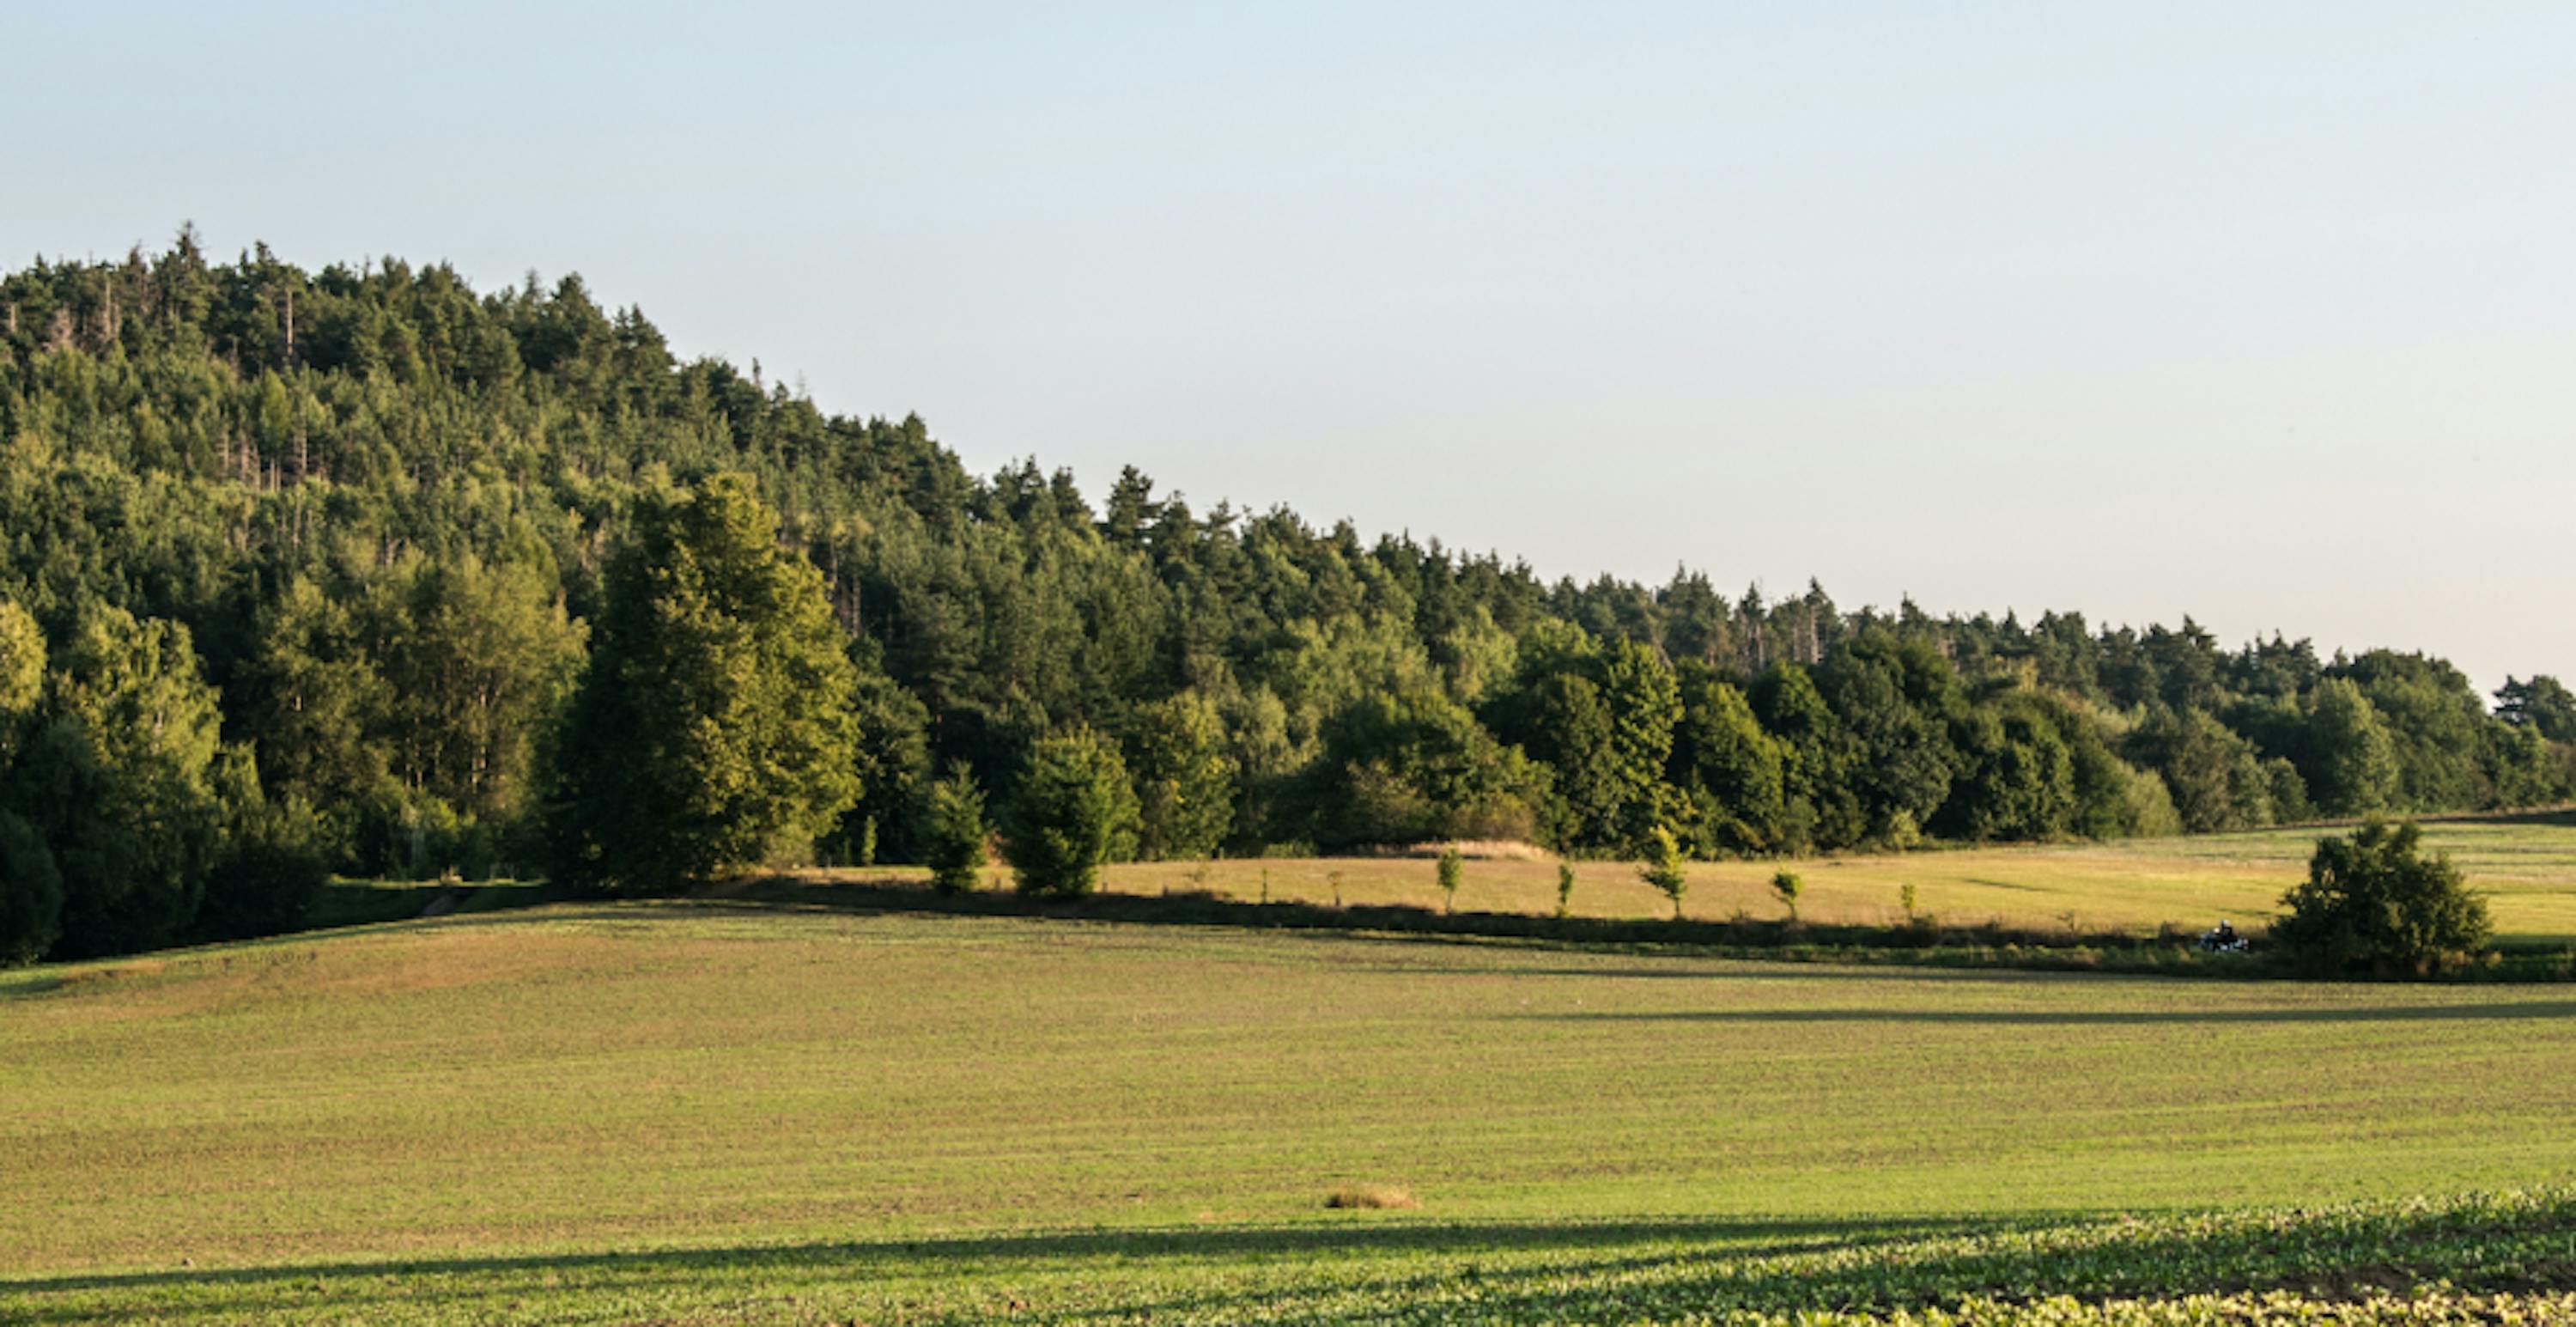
(2372, 902)
(714, 725)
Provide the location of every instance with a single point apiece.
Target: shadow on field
(1684, 965)
(2533, 1009)
(1922, 943)
(1358, 1235)
(1518, 1271)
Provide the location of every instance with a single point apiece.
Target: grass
(2526, 865)
(726, 1111)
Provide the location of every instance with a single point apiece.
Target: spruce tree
(955, 847)
(1073, 813)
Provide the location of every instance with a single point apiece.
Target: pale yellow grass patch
(1372, 1197)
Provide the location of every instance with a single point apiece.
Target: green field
(2526, 865)
(726, 1112)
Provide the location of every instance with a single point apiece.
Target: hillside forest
(303, 572)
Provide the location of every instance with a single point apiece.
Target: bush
(2371, 903)
(1453, 871)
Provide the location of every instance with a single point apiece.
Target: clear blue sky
(2262, 312)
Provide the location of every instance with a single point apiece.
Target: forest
(300, 572)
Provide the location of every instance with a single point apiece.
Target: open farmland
(2526, 866)
(714, 1113)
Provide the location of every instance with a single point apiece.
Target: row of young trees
(353, 541)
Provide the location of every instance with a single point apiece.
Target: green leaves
(116, 780)
(714, 725)
(1664, 868)
(2371, 903)
(1184, 779)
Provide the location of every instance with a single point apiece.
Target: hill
(341, 534)
(708, 1112)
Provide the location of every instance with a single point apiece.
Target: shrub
(31, 893)
(1453, 871)
(2371, 903)
(1564, 889)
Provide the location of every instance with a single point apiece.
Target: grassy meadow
(716, 1112)
(2526, 865)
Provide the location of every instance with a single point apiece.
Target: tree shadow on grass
(1360, 1234)
(1993, 944)
(1522, 1271)
(2533, 1009)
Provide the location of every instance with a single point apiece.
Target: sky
(2260, 313)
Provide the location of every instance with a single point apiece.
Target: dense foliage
(354, 533)
(714, 726)
(2373, 903)
(1074, 812)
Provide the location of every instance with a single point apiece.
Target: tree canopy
(382, 566)
(714, 725)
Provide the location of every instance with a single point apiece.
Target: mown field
(2526, 866)
(714, 1112)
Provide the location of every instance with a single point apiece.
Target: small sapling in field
(1564, 889)
(1788, 886)
(1663, 868)
(1453, 869)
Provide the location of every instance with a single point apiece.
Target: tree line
(305, 572)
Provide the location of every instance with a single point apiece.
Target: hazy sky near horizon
(2262, 313)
